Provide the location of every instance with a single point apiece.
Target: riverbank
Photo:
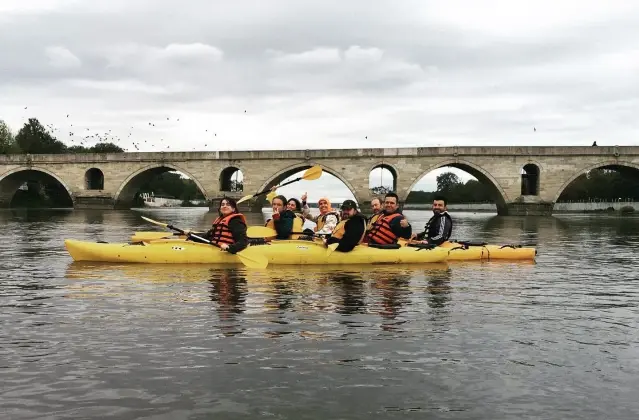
(574, 207)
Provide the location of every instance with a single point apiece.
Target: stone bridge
(524, 180)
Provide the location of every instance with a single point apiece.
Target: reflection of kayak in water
(293, 252)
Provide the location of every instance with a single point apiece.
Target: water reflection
(229, 290)
(351, 291)
(439, 288)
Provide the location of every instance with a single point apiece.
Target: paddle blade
(312, 173)
(155, 222)
(270, 196)
(253, 261)
(260, 232)
(331, 248)
(245, 198)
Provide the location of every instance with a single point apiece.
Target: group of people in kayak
(386, 227)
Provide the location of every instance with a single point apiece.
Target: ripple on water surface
(551, 339)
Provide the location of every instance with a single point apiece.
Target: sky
(155, 75)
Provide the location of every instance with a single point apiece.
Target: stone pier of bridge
(523, 180)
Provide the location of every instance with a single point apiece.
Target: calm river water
(554, 339)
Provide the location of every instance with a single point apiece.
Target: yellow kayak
(293, 252)
(460, 251)
(463, 251)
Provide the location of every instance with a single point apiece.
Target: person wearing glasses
(390, 225)
(229, 229)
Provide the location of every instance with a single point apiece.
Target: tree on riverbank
(456, 191)
(598, 184)
(603, 185)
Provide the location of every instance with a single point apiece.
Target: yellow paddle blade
(312, 173)
(155, 222)
(253, 261)
(245, 198)
(331, 248)
(270, 196)
(260, 232)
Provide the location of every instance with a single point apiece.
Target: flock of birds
(76, 135)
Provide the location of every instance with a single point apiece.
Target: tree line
(35, 138)
(598, 184)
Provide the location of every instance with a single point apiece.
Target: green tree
(34, 138)
(106, 148)
(447, 181)
(7, 141)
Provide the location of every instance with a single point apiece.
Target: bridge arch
(607, 164)
(381, 165)
(499, 195)
(126, 191)
(226, 182)
(281, 175)
(11, 180)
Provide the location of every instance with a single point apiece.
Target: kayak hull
(459, 252)
(294, 252)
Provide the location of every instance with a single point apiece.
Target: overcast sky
(330, 74)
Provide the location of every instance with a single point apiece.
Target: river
(554, 339)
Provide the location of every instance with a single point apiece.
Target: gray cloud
(324, 74)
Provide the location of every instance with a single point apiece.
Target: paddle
(310, 174)
(251, 261)
(330, 248)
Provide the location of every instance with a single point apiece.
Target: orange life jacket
(321, 220)
(372, 220)
(220, 232)
(380, 232)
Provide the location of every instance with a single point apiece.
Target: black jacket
(438, 229)
(354, 229)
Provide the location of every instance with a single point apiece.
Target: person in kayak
(229, 229)
(390, 225)
(283, 221)
(376, 208)
(439, 228)
(350, 231)
(326, 220)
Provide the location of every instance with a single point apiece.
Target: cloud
(61, 57)
(331, 74)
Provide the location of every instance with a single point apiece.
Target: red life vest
(220, 232)
(380, 232)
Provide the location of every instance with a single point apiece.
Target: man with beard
(439, 227)
(350, 231)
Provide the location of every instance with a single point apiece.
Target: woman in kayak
(326, 220)
(229, 229)
(284, 221)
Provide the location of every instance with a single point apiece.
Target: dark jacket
(438, 229)
(354, 229)
(238, 230)
(284, 225)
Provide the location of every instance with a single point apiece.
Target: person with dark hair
(390, 225)
(439, 227)
(350, 231)
(229, 229)
(283, 220)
